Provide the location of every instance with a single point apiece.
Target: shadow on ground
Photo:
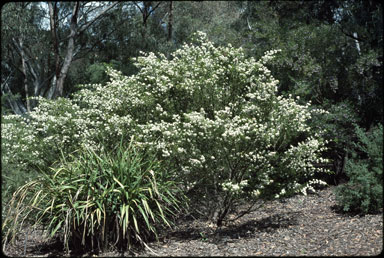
(243, 230)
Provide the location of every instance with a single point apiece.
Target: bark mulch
(298, 226)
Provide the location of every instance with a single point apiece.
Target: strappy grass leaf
(96, 198)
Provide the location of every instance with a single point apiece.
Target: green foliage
(96, 73)
(339, 123)
(338, 126)
(347, 69)
(364, 191)
(212, 17)
(117, 197)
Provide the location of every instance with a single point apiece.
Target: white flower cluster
(64, 124)
(301, 188)
(310, 184)
(268, 55)
(234, 187)
(18, 141)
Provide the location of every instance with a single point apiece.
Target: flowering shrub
(213, 114)
(35, 141)
(210, 113)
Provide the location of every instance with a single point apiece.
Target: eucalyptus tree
(82, 16)
(40, 42)
(25, 57)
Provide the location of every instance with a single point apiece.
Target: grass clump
(97, 199)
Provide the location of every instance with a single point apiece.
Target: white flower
(166, 153)
(244, 183)
(255, 193)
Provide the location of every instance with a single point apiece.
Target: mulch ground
(298, 226)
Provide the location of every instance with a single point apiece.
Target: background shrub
(364, 191)
(338, 125)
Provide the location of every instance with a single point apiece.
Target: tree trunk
(146, 11)
(170, 21)
(30, 70)
(55, 40)
(75, 31)
(16, 104)
(24, 69)
(357, 42)
(59, 89)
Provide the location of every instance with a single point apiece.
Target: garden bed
(298, 226)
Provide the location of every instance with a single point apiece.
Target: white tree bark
(16, 104)
(24, 69)
(357, 42)
(75, 31)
